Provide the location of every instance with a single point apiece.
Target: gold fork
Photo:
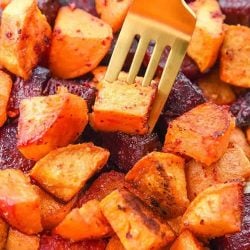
(167, 23)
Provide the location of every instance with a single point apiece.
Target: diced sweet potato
(216, 90)
(19, 203)
(208, 34)
(4, 228)
(123, 107)
(87, 222)
(233, 165)
(202, 133)
(52, 211)
(216, 211)
(238, 137)
(42, 120)
(113, 12)
(63, 172)
(5, 89)
(135, 225)
(115, 244)
(159, 180)
(175, 224)
(79, 43)
(234, 61)
(24, 35)
(102, 186)
(19, 241)
(186, 241)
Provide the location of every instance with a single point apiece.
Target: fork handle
(174, 13)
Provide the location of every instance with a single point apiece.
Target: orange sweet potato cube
(79, 43)
(208, 34)
(19, 241)
(186, 241)
(159, 180)
(234, 60)
(113, 12)
(64, 171)
(87, 222)
(135, 224)
(124, 107)
(44, 118)
(19, 202)
(202, 133)
(216, 211)
(24, 35)
(4, 228)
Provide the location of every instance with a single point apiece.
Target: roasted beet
(49, 8)
(241, 110)
(23, 89)
(126, 149)
(238, 241)
(236, 11)
(189, 68)
(55, 242)
(184, 96)
(80, 88)
(10, 157)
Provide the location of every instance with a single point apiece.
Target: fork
(166, 23)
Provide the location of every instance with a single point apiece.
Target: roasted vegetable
(79, 43)
(63, 172)
(4, 228)
(24, 36)
(115, 244)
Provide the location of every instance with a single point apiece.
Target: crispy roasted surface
(206, 138)
(42, 120)
(63, 172)
(19, 203)
(234, 61)
(134, 223)
(216, 211)
(159, 180)
(24, 35)
(79, 43)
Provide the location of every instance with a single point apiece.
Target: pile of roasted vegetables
(78, 168)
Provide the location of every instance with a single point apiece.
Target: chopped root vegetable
(216, 211)
(134, 223)
(113, 12)
(4, 228)
(63, 172)
(202, 133)
(186, 241)
(19, 241)
(52, 211)
(235, 53)
(87, 222)
(175, 224)
(123, 107)
(208, 34)
(159, 180)
(43, 120)
(115, 244)
(5, 89)
(19, 203)
(79, 43)
(24, 35)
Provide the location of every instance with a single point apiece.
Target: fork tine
(120, 52)
(138, 58)
(153, 64)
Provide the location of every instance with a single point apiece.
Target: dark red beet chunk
(23, 89)
(55, 242)
(236, 11)
(49, 8)
(184, 96)
(241, 110)
(238, 241)
(80, 88)
(189, 68)
(126, 150)
(10, 157)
